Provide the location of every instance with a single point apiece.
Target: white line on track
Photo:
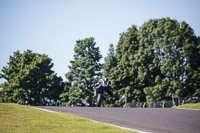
(97, 121)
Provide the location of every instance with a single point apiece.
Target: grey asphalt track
(154, 120)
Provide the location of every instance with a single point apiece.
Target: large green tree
(124, 76)
(109, 60)
(161, 58)
(30, 80)
(192, 83)
(109, 63)
(84, 70)
(169, 48)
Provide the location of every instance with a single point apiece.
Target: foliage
(110, 62)
(30, 80)
(124, 76)
(170, 45)
(84, 70)
(156, 61)
(150, 63)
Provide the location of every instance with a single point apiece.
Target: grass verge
(190, 106)
(16, 118)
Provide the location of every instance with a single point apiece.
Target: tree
(110, 60)
(124, 76)
(170, 45)
(193, 71)
(84, 70)
(110, 63)
(156, 61)
(30, 80)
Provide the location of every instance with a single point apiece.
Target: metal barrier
(159, 104)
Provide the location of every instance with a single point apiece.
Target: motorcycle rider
(105, 83)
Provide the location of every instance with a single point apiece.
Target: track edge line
(130, 129)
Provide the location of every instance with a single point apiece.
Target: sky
(52, 27)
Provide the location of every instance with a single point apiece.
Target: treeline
(30, 80)
(149, 64)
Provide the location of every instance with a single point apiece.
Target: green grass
(16, 118)
(190, 106)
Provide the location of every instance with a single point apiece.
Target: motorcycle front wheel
(99, 99)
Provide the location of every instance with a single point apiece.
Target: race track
(153, 120)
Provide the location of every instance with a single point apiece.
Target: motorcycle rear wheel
(99, 99)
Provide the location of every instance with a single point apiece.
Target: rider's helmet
(105, 76)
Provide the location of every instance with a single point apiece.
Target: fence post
(179, 101)
(144, 104)
(125, 105)
(182, 102)
(163, 105)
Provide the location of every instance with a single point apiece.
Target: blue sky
(52, 26)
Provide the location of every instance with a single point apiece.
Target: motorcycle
(101, 95)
